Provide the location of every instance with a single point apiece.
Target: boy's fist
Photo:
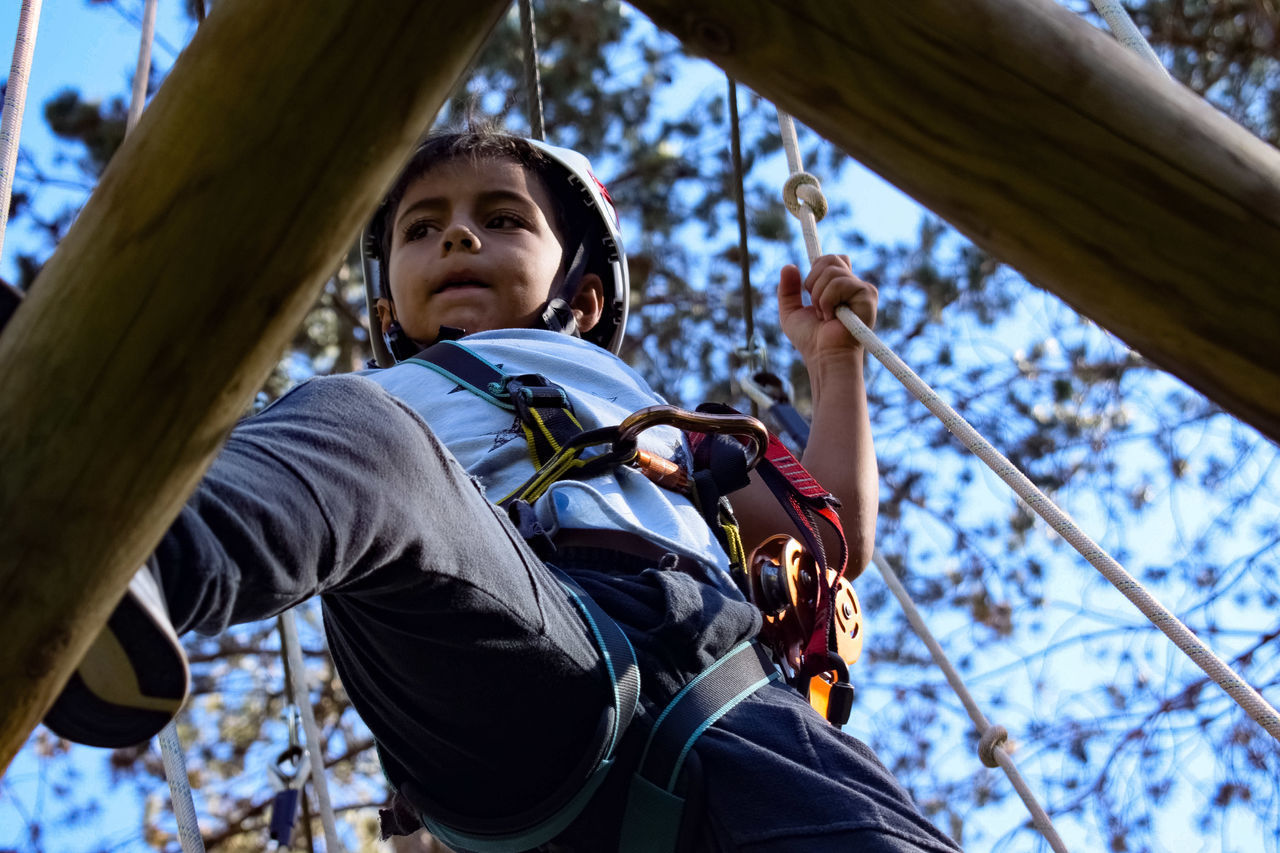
(814, 329)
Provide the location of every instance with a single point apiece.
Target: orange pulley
(784, 580)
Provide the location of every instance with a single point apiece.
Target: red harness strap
(805, 501)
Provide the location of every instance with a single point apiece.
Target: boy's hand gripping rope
(1245, 696)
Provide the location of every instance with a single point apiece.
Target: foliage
(1126, 744)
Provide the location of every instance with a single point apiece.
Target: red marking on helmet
(604, 191)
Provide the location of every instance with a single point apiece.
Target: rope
(1126, 32)
(532, 79)
(991, 740)
(1245, 696)
(298, 688)
(15, 100)
(744, 259)
(142, 75)
(175, 773)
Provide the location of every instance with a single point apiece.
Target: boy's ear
(386, 314)
(588, 305)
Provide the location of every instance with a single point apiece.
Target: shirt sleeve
(309, 496)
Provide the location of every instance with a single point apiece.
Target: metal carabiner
(291, 767)
(743, 426)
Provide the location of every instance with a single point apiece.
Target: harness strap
(545, 412)
(654, 808)
(525, 832)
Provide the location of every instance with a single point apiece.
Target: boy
(483, 680)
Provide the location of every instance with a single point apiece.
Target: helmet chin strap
(557, 314)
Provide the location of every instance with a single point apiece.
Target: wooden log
(1051, 146)
(166, 305)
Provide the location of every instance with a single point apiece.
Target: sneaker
(132, 681)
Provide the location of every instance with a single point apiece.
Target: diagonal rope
(175, 773)
(1126, 32)
(142, 74)
(15, 100)
(804, 199)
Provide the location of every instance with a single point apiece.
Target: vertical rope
(15, 100)
(740, 197)
(175, 773)
(751, 349)
(532, 79)
(805, 205)
(1126, 32)
(298, 685)
(142, 74)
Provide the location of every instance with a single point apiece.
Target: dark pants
(463, 653)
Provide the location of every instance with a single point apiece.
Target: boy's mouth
(459, 281)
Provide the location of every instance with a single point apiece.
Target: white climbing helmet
(603, 254)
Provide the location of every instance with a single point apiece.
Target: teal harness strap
(545, 412)
(624, 680)
(654, 808)
(457, 362)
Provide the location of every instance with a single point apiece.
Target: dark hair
(570, 216)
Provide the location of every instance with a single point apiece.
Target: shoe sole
(131, 682)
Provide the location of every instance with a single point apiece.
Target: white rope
(1126, 32)
(1245, 696)
(142, 76)
(298, 685)
(991, 739)
(175, 773)
(15, 101)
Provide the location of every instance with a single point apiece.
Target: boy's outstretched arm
(840, 453)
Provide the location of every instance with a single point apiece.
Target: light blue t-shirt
(487, 440)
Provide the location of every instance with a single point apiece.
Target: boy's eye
(418, 229)
(505, 220)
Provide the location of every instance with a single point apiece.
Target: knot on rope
(993, 737)
(803, 188)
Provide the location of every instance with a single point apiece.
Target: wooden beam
(182, 280)
(1051, 146)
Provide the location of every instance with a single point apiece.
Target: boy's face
(473, 247)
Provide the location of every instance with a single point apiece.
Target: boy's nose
(460, 237)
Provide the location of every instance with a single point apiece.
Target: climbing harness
(802, 618)
(802, 606)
